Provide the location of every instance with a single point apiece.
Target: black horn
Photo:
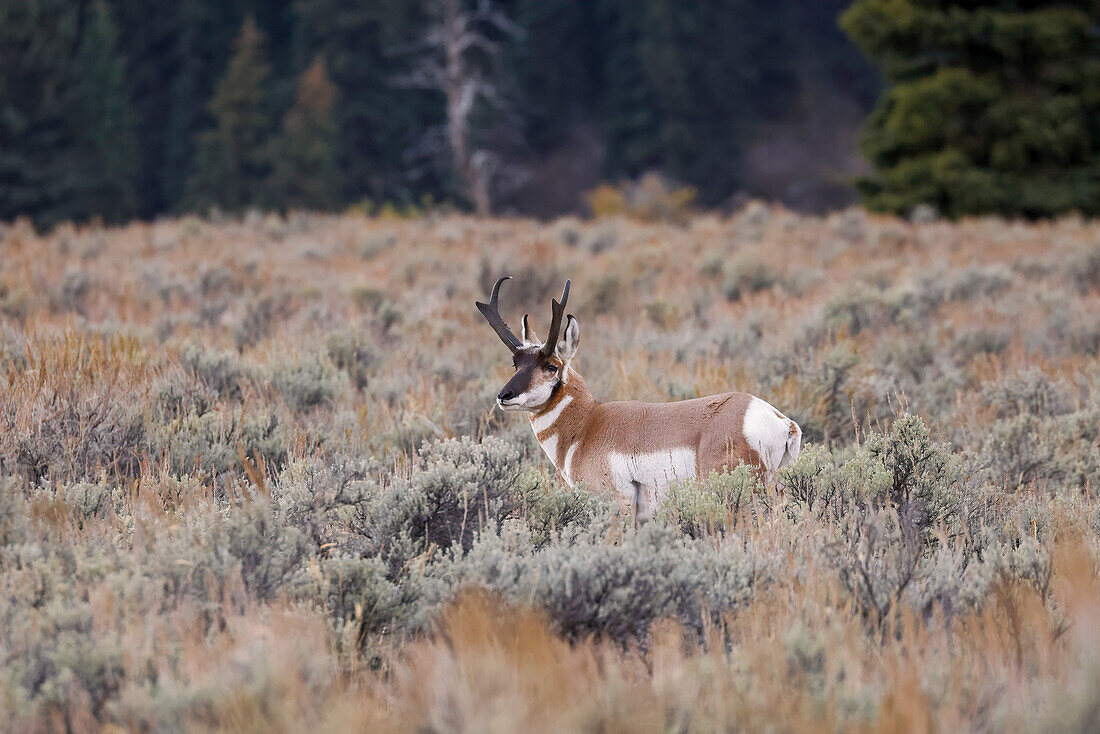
(558, 309)
(491, 312)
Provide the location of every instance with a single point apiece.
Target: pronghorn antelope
(635, 449)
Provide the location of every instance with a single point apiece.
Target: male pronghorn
(636, 449)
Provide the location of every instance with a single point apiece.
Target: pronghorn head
(541, 367)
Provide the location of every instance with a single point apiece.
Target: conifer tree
(303, 156)
(103, 118)
(376, 123)
(687, 84)
(233, 161)
(65, 137)
(992, 107)
(175, 53)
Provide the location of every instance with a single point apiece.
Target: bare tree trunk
(461, 88)
(449, 68)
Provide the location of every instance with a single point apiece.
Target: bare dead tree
(459, 56)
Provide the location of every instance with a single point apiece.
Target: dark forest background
(130, 108)
(122, 108)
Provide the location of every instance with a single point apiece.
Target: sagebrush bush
(712, 505)
(306, 383)
(456, 488)
(212, 444)
(746, 276)
(216, 370)
(353, 354)
(590, 587)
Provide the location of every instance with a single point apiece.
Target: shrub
(554, 512)
(1053, 450)
(219, 371)
(176, 395)
(260, 317)
(212, 444)
(69, 432)
(748, 276)
(356, 594)
(351, 352)
(306, 383)
(456, 488)
(907, 470)
(713, 505)
(617, 591)
(324, 498)
(1027, 393)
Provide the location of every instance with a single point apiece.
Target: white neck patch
(542, 422)
(550, 446)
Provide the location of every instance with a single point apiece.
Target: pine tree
(687, 85)
(992, 107)
(103, 117)
(175, 54)
(553, 97)
(303, 154)
(65, 137)
(377, 124)
(233, 161)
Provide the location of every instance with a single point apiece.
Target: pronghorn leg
(639, 502)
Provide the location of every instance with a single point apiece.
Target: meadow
(252, 478)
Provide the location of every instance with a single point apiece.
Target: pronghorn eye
(550, 368)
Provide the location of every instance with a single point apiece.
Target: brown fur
(712, 426)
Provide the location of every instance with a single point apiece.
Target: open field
(251, 479)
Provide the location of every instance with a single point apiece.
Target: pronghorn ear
(570, 339)
(527, 335)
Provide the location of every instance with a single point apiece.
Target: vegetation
(112, 108)
(263, 487)
(991, 108)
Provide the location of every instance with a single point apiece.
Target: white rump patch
(644, 478)
(768, 432)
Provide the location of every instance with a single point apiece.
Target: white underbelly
(650, 475)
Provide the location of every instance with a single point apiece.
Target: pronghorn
(638, 450)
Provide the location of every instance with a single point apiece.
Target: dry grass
(204, 428)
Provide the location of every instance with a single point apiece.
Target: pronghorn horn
(555, 322)
(491, 312)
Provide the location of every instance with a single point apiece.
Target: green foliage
(373, 119)
(991, 108)
(306, 383)
(303, 155)
(232, 160)
(122, 107)
(353, 354)
(213, 443)
(713, 505)
(66, 150)
(70, 434)
(458, 488)
(590, 587)
(675, 76)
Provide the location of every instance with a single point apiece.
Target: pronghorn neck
(559, 425)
